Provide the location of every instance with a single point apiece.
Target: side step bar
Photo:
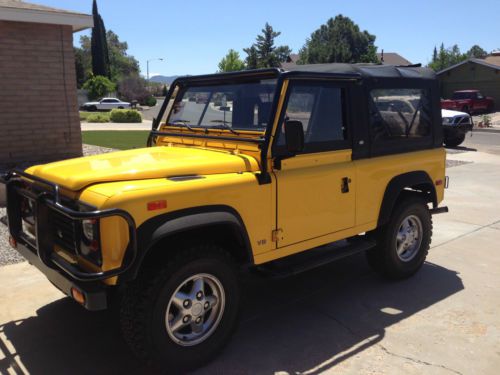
(439, 210)
(310, 259)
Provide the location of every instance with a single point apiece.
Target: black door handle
(345, 185)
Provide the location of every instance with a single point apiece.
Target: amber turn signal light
(78, 296)
(12, 242)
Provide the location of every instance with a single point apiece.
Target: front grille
(462, 120)
(64, 231)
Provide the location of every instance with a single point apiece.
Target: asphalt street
(483, 141)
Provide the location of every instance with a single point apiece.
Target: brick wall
(38, 99)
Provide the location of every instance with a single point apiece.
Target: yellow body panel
(142, 163)
(310, 200)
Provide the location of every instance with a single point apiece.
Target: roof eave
(473, 61)
(77, 21)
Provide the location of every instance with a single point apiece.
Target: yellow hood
(143, 163)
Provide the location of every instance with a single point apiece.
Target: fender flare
(418, 180)
(162, 226)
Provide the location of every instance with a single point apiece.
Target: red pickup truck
(470, 101)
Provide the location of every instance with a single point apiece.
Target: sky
(192, 36)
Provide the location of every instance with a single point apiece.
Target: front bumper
(96, 294)
(45, 197)
(460, 128)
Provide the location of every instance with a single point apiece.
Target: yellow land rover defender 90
(243, 171)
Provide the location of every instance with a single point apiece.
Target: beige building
(473, 74)
(38, 99)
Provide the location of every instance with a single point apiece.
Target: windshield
(238, 106)
(463, 95)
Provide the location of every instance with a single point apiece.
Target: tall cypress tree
(99, 45)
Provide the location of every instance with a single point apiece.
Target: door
(316, 188)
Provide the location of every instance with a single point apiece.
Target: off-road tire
(454, 140)
(144, 304)
(383, 258)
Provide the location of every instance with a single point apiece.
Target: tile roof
(18, 4)
(393, 58)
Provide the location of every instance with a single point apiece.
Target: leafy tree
(339, 40)
(164, 91)
(446, 57)
(98, 87)
(79, 67)
(122, 64)
(99, 45)
(231, 62)
(263, 53)
(133, 88)
(477, 52)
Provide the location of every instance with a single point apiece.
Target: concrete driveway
(338, 319)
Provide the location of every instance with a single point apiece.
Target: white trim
(77, 21)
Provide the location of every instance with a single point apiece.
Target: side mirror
(294, 136)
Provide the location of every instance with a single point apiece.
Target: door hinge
(275, 235)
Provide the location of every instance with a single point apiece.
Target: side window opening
(320, 109)
(400, 114)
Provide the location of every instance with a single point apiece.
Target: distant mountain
(163, 79)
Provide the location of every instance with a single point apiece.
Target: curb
(485, 130)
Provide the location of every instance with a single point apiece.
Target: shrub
(150, 101)
(84, 115)
(98, 86)
(98, 117)
(125, 115)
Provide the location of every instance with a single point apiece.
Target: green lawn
(122, 140)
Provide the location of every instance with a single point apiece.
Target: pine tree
(99, 45)
(263, 53)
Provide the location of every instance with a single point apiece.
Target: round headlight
(88, 228)
(447, 120)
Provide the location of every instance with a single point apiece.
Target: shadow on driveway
(308, 323)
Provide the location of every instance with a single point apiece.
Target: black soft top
(357, 71)
(368, 70)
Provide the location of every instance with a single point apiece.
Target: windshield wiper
(184, 123)
(223, 125)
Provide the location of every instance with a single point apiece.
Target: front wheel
(454, 141)
(403, 243)
(180, 317)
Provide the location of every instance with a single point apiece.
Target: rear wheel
(181, 316)
(465, 109)
(455, 140)
(403, 243)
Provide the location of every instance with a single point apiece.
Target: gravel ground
(94, 150)
(7, 254)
